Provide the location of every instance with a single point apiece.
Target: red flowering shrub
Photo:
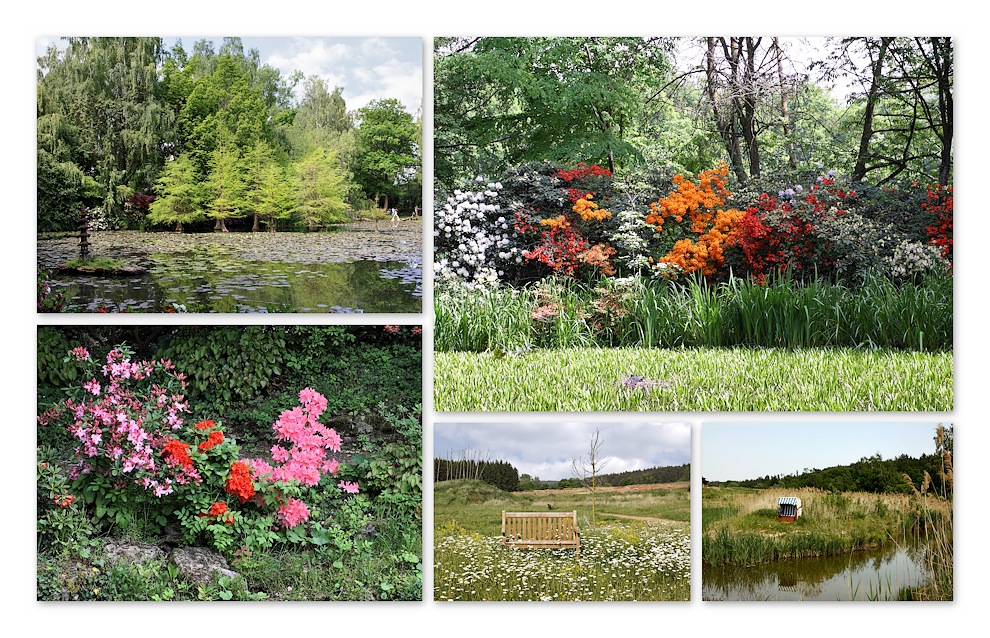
(568, 238)
(785, 231)
(177, 452)
(939, 204)
(239, 482)
(214, 439)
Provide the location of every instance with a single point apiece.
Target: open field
(638, 550)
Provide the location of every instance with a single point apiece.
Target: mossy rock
(116, 271)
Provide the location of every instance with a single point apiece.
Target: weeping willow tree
(103, 97)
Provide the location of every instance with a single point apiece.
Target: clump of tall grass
(782, 312)
(833, 523)
(934, 524)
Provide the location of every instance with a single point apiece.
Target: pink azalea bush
(122, 421)
(303, 459)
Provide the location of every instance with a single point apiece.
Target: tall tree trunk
(940, 63)
(859, 171)
(784, 113)
(750, 94)
(724, 123)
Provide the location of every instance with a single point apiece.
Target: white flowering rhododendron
(474, 239)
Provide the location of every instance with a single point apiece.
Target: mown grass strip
(695, 379)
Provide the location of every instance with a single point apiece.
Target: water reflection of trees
(798, 578)
(300, 272)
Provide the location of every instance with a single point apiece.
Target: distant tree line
(500, 474)
(869, 474)
(650, 476)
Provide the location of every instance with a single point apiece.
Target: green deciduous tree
(222, 104)
(387, 149)
(181, 195)
(320, 187)
(503, 101)
(321, 116)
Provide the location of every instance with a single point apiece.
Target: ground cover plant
(638, 550)
(291, 490)
(692, 379)
(579, 236)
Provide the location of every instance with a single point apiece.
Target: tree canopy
(761, 105)
(213, 134)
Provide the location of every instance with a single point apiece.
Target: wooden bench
(541, 529)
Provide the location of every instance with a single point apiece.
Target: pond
(357, 268)
(868, 575)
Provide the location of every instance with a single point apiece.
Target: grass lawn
(694, 379)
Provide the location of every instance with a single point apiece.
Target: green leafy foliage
(388, 141)
(227, 364)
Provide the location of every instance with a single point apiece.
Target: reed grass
(781, 313)
(832, 524)
(934, 526)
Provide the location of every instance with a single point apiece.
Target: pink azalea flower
(350, 487)
(293, 512)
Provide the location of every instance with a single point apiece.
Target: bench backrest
(540, 526)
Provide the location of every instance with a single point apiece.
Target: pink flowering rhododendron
(123, 422)
(305, 459)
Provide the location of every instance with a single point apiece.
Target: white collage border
(508, 17)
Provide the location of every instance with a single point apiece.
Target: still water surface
(870, 575)
(357, 269)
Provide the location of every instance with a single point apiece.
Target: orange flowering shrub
(587, 209)
(555, 223)
(699, 205)
(598, 256)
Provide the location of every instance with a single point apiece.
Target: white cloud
(546, 449)
(366, 68)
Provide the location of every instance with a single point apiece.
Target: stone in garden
(124, 552)
(637, 382)
(199, 565)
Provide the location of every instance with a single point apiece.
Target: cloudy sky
(545, 450)
(740, 451)
(367, 68)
